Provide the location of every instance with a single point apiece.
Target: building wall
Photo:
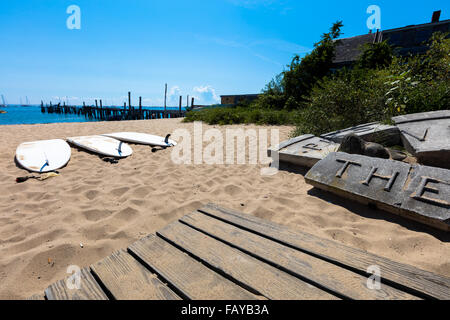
(228, 100)
(235, 99)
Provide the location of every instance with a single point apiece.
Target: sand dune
(106, 206)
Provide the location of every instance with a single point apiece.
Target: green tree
(289, 89)
(376, 56)
(303, 74)
(273, 96)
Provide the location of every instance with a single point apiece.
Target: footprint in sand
(91, 194)
(233, 190)
(142, 192)
(119, 191)
(128, 214)
(96, 215)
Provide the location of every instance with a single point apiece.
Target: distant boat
(27, 102)
(3, 105)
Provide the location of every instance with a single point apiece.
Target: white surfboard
(142, 138)
(102, 145)
(43, 156)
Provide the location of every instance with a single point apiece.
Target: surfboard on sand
(143, 138)
(102, 145)
(43, 156)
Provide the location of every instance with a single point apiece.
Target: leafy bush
(225, 116)
(421, 83)
(345, 99)
(376, 56)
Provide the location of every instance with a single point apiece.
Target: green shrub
(421, 83)
(376, 56)
(346, 99)
(225, 116)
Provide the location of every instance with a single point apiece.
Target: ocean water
(16, 114)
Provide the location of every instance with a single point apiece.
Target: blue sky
(204, 48)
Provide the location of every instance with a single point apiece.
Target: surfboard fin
(166, 140)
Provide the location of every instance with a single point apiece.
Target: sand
(107, 207)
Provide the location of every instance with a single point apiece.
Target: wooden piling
(103, 113)
(129, 100)
(165, 99)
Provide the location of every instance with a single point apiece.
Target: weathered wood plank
(374, 132)
(330, 276)
(39, 296)
(190, 277)
(422, 281)
(415, 192)
(127, 279)
(305, 150)
(89, 288)
(263, 278)
(426, 136)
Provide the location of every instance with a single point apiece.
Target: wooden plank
(261, 277)
(127, 279)
(428, 283)
(397, 187)
(89, 289)
(190, 277)
(39, 296)
(327, 275)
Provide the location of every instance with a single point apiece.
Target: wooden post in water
(192, 103)
(165, 101)
(129, 100)
(181, 101)
(140, 108)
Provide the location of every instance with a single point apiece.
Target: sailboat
(3, 105)
(27, 102)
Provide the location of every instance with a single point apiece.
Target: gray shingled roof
(349, 49)
(406, 40)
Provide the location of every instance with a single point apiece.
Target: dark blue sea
(16, 114)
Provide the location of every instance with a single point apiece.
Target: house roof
(349, 49)
(407, 40)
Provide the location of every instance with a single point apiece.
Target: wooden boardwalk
(114, 113)
(219, 254)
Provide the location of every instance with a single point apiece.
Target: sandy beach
(106, 207)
